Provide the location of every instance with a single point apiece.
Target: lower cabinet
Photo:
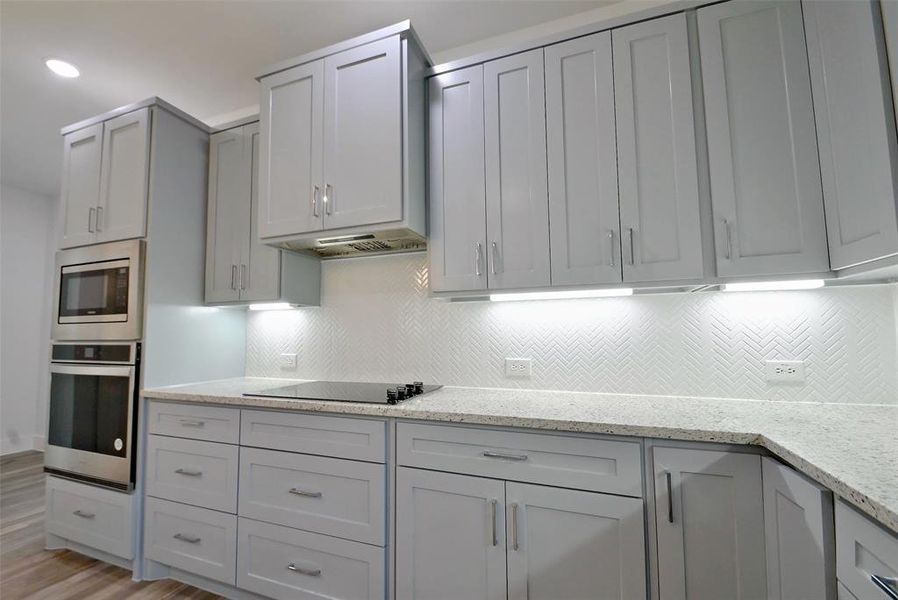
(709, 516)
(469, 537)
(866, 557)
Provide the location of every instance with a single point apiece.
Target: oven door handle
(98, 370)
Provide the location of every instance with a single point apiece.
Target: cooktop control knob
(419, 387)
(409, 390)
(391, 397)
(400, 393)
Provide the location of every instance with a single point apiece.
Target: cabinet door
(457, 187)
(890, 25)
(290, 176)
(260, 265)
(799, 533)
(658, 175)
(765, 175)
(80, 185)
(582, 159)
(363, 135)
(450, 536)
(122, 211)
(517, 204)
(227, 214)
(855, 129)
(710, 521)
(566, 544)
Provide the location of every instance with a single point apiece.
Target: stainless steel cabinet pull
(668, 477)
(316, 190)
(888, 585)
(328, 198)
(186, 423)
(188, 472)
(190, 539)
(83, 514)
(728, 235)
(495, 250)
(611, 247)
(494, 507)
(242, 277)
(99, 217)
(503, 456)
(632, 247)
(90, 219)
(478, 259)
(233, 277)
(514, 527)
(301, 571)
(299, 492)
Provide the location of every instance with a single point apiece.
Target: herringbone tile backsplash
(377, 323)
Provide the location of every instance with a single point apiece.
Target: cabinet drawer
(89, 515)
(195, 422)
(327, 495)
(358, 439)
(196, 540)
(288, 564)
(580, 463)
(864, 550)
(199, 473)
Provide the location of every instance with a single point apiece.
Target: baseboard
(9, 445)
(39, 443)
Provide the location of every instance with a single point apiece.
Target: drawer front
(864, 550)
(326, 495)
(96, 517)
(357, 439)
(287, 564)
(194, 421)
(197, 540)
(199, 473)
(580, 463)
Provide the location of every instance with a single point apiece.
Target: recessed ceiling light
(62, 68)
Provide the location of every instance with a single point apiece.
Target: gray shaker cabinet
(657, 170)
(765, 174)
(80, 185)
(855, 129)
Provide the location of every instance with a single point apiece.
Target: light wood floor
(29, 571)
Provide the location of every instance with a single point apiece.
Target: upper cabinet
(656, 157)
(765, 173)
(342, 142)
(582, 162)
(105, 175)
(238, 267)
(855, 129)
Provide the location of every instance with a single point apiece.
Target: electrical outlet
(288, 361)
(518, 367)
(784, 371)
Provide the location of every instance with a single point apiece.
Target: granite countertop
(850, 448)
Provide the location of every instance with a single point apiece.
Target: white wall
(377, 323)
(27, 246)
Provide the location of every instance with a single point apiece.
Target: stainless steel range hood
(387, 241)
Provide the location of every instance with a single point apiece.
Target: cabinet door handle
(632, 246)
(514, 527)
(494, 247)
(478, 259)
(611, 247)
(301, 571)
(90, 219)
(188, 472)
(187, 423)
(494, 518)
(99, 218)
(728, 238)
(503, 456)
(888, 585)
(184, 537)
(84, 514)
(668, 479)
(328, 198)
(242, 277)
(233, 277)
(316, 190)
(304, 493)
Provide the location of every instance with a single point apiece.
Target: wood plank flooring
(27, 571)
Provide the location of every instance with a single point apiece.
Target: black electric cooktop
(348, 391)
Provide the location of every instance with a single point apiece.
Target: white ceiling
(199, 55)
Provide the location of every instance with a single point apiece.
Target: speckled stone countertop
(850, 448)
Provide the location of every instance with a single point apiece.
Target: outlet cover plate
(784, 371)
(288, 361)
(518, 367)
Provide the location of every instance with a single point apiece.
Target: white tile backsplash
(377, 323)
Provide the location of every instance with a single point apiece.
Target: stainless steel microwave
(99, 292)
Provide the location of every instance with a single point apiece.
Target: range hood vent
(364, 244)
